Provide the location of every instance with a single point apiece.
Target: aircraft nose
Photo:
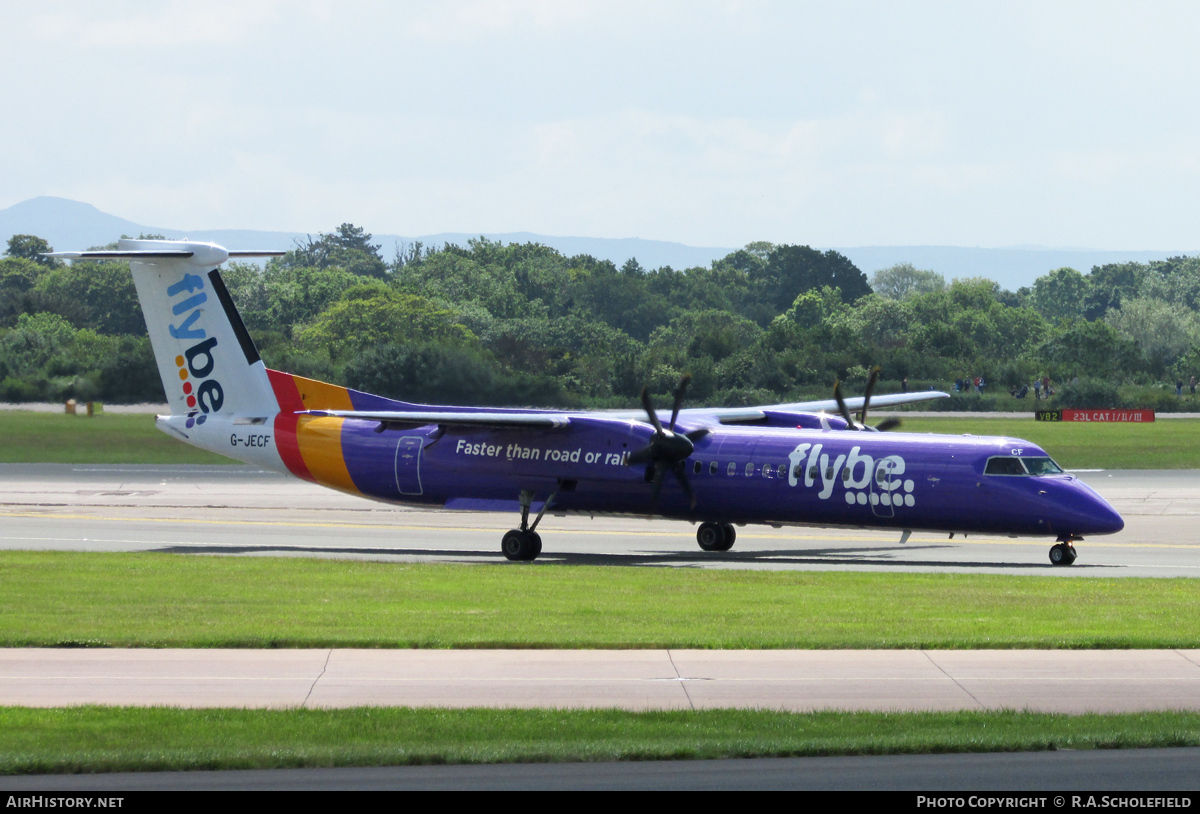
(1109, 521)
(1097, 516)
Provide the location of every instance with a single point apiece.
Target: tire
(710, 536)
(1058, 554)
(536, 541)
(517, 546)
(1071, 555)
(730, 536)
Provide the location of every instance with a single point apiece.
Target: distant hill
(70, 224)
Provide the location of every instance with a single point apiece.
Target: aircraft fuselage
(739, 474)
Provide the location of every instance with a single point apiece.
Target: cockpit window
(1004, 466)
(1042, 466)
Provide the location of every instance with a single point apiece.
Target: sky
(1060, 124)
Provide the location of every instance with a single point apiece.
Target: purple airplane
(787, 464)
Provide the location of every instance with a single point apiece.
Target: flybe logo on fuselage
(865, 479)
(202, 393)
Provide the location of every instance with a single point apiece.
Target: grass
(105, 739)
(108, 438)
(116, 438)
(1168, 444)
(52, 599)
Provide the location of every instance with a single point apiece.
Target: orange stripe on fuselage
(320, 442)
(315, 395)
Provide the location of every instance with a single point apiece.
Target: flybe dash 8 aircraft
(787, 464)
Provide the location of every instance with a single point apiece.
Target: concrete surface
(798, 680)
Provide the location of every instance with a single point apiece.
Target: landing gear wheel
(715, 536)
(520, 545)
(730, 536)
(1062, 554)
(710, 536)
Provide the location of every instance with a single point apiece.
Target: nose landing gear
(716, 536)
(1063, 552)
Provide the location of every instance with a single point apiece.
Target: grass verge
(161, 600)
(108, 438)
(108, 739)
(1168, 444)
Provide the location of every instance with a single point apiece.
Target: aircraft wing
(733, 415)
(553, 419)
(475, 418)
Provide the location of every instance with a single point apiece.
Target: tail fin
(206, 359)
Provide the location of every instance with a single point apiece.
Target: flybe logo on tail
(203, 394)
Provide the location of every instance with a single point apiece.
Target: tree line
(523, 324)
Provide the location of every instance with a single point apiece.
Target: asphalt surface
(239, 510)
(993, 775)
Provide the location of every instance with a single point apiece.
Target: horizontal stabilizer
(106, 255)
(210, 254)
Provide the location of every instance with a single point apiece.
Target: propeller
(861, 424)
(667, 449)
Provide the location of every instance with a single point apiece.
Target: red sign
(1136, 416)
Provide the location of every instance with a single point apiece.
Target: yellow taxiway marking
(783, 536)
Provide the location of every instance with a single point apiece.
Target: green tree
(1110, 285)
(31, 247)
(375, 315)
(100, 296)
(1163, 330)
(904, 280)
(792, 270)
(349, 247)
(1088, 349)
(1060, 294)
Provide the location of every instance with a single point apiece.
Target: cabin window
(749, 470)
(880, 475)
(812, 472)
(1042, 466)
(712, 468)
(1004, 466)
(696, 467)
(781, 473)
(768, 471)
(731, 470)
(846, 474)
(797, 471)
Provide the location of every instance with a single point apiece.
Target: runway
(238, 510)
(1062, 681)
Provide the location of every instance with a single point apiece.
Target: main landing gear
(1063, 552)
(716, 536)
(524, 544)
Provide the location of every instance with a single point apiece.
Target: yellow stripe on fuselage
(320, 442)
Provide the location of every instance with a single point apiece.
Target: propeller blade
(696, 435)
(888, 424)
(659, 471)
(874, 377)
(681, 476)
(643, 455)
(648, 406)
(841, 403)
(679, 393)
